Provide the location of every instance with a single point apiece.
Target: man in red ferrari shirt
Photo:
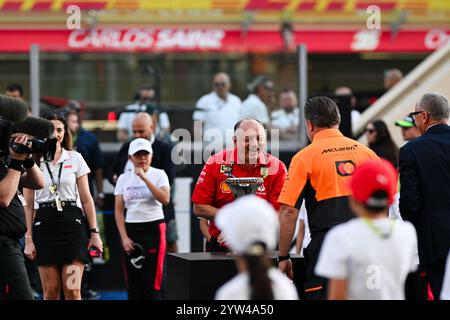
(247, 159)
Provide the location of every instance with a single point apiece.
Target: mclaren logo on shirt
(340, 149)
(345, 168)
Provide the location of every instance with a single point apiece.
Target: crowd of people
(363, 233)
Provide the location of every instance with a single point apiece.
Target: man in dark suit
(143, 127)
(425, 185)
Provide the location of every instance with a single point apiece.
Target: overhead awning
(155, 40)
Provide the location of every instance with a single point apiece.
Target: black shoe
(90, 294)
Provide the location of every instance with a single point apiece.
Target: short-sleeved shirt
(238, 287)
(320, 173)
(374, 256)
(73, 167)
(253, 107)
(217, 113)
(284, 120)
(211, 188)
(139, 201)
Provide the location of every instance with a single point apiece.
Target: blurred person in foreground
(369, 258)
(250, 227)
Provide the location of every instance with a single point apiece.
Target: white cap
(139, 145)
(248, 220)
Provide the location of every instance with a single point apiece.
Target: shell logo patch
(224, 187)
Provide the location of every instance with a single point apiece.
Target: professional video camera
(13, 119)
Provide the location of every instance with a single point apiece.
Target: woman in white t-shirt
(369, 257)
(142, 193)
(57, 236)
(250, 227)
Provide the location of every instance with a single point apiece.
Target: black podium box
(198, 275)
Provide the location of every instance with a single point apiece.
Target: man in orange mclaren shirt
(247, 159)
(318, 174)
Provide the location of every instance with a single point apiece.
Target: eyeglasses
(219, 84)
(370, 130)
(414, 114)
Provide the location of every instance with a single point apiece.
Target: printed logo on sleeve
(345, 168)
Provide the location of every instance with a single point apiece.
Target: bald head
(142, 126)
(250, 140)
(221, 84)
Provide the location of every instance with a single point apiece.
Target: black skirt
(60, 237)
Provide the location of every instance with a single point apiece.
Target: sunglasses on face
(370, 130)
(414, 114)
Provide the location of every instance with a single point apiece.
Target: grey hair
(436, 105)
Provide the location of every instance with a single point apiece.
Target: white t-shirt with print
(73, 167)
(375, 267)
(238, 288)
(139, 201)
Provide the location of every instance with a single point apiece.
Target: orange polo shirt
(319, 173)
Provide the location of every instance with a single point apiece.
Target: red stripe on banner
(42, 6)
(336, 6)
(161, 256)
(84, 6)
(7, 288)
(11, 5)
(306, 5)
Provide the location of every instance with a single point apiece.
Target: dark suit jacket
(425, 191)
(161, 160)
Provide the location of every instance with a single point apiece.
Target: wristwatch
(282, 258)
(94, 230)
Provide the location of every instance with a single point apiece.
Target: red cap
(372, 176)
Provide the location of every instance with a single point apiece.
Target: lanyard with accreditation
(55, 186)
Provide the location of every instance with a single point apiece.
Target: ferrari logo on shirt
(224, 187)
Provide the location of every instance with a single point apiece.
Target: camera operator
(17, 171)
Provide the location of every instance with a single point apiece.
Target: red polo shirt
(211, 188)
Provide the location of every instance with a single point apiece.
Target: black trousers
(315, 286)
(14, 283)
(144, 276)
(435, 276)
